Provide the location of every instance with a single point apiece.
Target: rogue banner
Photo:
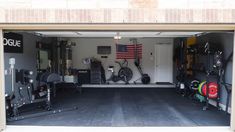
(13, 42)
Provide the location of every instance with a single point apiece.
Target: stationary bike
(125, 74)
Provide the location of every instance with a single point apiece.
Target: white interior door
(164, 62)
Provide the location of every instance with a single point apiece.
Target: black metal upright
(208, 72)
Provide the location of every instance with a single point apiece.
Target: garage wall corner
(2, 85)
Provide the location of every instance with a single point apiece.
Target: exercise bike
(125, 74)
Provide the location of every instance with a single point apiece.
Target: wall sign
(13, 42)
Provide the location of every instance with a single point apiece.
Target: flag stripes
(128, 51)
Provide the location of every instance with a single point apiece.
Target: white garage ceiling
(112, 34)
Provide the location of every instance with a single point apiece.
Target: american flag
(128, 51)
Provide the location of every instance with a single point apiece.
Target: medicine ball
(145, 79)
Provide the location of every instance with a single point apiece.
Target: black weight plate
(125, 72)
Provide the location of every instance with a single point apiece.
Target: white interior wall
(87, 47)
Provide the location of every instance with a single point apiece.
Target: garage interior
(118, 78)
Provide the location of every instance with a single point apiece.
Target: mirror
(43, 59)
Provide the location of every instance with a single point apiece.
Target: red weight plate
(213, 90)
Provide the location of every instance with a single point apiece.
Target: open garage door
(117, 95)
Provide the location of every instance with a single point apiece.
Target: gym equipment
(113, 77)
(180, 59)
(227, 86)
(191, 41)
(213, 90)
(22, 76)
(11, 71)
(103, 77)
(200, 98)
(83, 76)
(200, 87)
(214, 70)
(145, 78)
(218, 60)
(125, 74)
(50, 80)
(66, 57)
(47, 57)
(42, 113)
(95, 72)
(70, 79)
(86, 61)
(9, 98)
(12, 66)
(194, 85)
(25, 95)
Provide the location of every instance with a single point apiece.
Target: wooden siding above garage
(117, 11)
(117, 16)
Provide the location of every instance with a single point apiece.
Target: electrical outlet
(6, 72)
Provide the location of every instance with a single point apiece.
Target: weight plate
(200, 87)
(195, 84)
(213, 90)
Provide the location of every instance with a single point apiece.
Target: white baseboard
(222, 106)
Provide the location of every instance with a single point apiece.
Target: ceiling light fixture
(78, 33)
(159, 33)
(117, 36)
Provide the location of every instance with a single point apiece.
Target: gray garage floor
(129, 107)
